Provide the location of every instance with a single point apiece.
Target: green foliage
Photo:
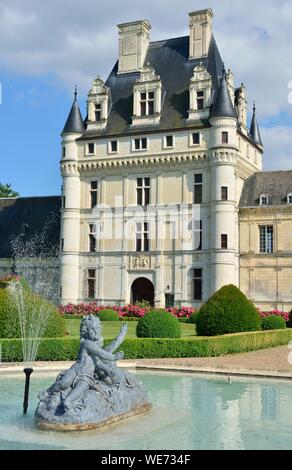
(142, 304)
(156, 324)
(108, 315)
(9, 321)
(274, 322)
(66, 349)
(7, 191)
(193, 318)
(227, 311)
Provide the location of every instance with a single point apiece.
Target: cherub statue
(93, 363)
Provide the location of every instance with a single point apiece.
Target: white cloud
(278, 148)
(73, 41)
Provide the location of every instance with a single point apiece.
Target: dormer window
(200, 100)
(200, 93)
(98, 105)
(147, 103)
(147, 100)
(265, 200)
(289, 198)
(97, 112)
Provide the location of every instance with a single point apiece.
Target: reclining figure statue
(93, 389)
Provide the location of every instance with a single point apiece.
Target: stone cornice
(224, 156)
(69, 168)
(143, 160)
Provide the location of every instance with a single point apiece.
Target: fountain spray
(27, 371)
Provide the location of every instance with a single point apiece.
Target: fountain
(33, 317)
(94, 392)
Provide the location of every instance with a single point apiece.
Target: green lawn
(111, 328)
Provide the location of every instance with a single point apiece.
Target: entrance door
(142, 289)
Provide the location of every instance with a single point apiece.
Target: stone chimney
(133, 44)
(200, 33)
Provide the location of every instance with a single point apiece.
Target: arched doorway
(142, 289)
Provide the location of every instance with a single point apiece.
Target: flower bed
(6, 280)
(277, 313)
(129, 311)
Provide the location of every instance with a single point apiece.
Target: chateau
(164, 198)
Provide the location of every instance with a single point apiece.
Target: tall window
(97, 112)
(267, 239)
(147, 103)
(143, 191)
(197, 234)
(289, 198)
(140, 144)
(224, 242)
(91, 283)
(93, 194)
(92, 238)
(90, 148)
(196, 138)
(224, 137)
(198, 189)
(200, 100)
(264, 200)
(142, 236)
(64, 152)
(224, 193)
(198, 284)
(113, 146)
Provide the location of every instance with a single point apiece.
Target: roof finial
(75, 92)
(254, 107)
(223, 71)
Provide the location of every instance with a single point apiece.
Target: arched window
(265, 200)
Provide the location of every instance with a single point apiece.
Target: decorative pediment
(200, 73)
(147, 74)
(98, 87)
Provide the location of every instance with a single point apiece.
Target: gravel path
(267, 360)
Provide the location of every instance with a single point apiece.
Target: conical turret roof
(222, 105)
(74, 123)
(254, 129)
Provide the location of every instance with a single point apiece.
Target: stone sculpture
(94, 392)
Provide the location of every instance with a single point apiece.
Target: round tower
(224, 212)
(70, 220)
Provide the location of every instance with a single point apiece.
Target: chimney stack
(133, 45)
(200, 33)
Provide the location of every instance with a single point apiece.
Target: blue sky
(47, 47)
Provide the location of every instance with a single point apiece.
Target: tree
(7, 191)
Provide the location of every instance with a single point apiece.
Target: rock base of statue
(100, 406)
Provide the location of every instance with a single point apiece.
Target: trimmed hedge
(273, 323)
(66, 349)
(108, 315)
(9, 320)
(227, 311)
(158, 324)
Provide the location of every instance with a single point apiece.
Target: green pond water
(189, 412)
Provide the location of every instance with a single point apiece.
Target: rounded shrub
(227, 311)
(157, 324)
(274, 322)
(108, 315)
(193, 318)
(34, 306)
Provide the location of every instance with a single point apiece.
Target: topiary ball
(227, 311)
(108, 315)
(274, 322)
(157, 324)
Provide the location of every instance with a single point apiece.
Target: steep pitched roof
(254, 129)
(74, 123)
(222, 106)
(278, 184)
(170, 61)
(35, 214)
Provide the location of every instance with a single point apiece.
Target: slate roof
(170, 61)
(74, 123)
(254, 129)
(277, 184)
(33, 213)
(223, 106)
